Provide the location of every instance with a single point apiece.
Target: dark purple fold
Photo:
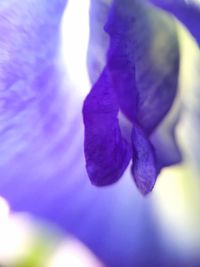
(188, 12)
(107, 153)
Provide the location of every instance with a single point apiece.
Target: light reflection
(75, 37)
(73, 253)
(14, 234)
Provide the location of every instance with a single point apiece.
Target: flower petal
(107, 153)
(144, 166)
(188, 12)
(144, 55)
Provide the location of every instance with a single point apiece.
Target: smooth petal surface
(144, 165)
(187, 11)
(144, 55)
(107, 153)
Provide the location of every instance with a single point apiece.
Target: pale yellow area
(177, 206)
(177, 193)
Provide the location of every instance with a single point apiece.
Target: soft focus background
(60, 219)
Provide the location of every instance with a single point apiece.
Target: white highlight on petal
(73, 253)
(75, 37)
(15, 235)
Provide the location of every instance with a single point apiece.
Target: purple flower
(140, 80)
(41, 130)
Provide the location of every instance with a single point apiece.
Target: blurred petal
(107, 153)
(144, 166)
(190, 84)
(26, 43)
(187, 11)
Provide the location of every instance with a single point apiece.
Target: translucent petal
(187, 11)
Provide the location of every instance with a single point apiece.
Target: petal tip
(144, 169)
(146, 186)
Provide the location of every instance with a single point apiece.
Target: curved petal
(144, 164)
(144, 55)
(187, 11)
(107, 153)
